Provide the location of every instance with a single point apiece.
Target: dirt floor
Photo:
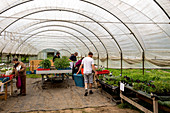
(107, 109)
(59, 97)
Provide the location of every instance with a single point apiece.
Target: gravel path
(56, 96)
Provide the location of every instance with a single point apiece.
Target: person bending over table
(20, 70)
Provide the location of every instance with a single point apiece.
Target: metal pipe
(98, 61)
(1, 56)
(107, 60)
(143, 62)
(121, 55)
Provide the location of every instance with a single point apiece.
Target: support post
(13, 56)
(143, 62)
(11, 92)
(155, 105)
(29, 58)
(121, 98)
(1, 57)
(6, 91)
(121, 55)
(98, 61)
(107, 61)
(8, 58)
(18, 56)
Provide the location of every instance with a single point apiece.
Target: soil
(59, 97)
(107, 109)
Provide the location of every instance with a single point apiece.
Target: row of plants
(59, 63)
(154, 81)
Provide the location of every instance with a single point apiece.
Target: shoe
(85, 93)
(23, 94)
(90, 92)
(19, 94)
(15, 91)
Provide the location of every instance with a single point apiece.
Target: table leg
(42, 75)
(11, 91)
(62, 76)
(6, 91)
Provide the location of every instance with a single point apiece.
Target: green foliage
(164, 103)
(50, 57)
(153, 81)
(33, 76)
(62, 62)
(27, 69)
(25, 59)
(46, 64)
(100, 77)
(127, 105)
(100, 69)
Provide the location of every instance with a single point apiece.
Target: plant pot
(28, 72)
(63, 68)
(103, 72)
(10, 76)
(42, 69)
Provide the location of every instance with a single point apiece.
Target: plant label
(122, 86)
(2, 87)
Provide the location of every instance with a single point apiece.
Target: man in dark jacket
(73, 57)
(56, 56)
(73, 60)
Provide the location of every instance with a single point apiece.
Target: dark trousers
(23, 85)
(73, 71)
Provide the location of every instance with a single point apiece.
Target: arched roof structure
(134, 29)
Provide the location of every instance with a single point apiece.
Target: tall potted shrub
(45, 64)
(62, 63)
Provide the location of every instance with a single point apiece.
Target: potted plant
(45, 64)
(62, 63)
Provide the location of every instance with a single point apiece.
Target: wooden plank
(164, 108)
(139, 92)
(148, 100)
(35, 63)
(155, 105)
(135, 104)
(53, 71)
(7, 81)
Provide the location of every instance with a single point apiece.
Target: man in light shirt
(88, 64)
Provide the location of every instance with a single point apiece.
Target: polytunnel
(85, 56)
(120, 33)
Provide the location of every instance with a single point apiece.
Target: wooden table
(145, 95)
(46, 73)
(6, 89)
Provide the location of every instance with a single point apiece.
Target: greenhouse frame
(135, 31)
(59, 52)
